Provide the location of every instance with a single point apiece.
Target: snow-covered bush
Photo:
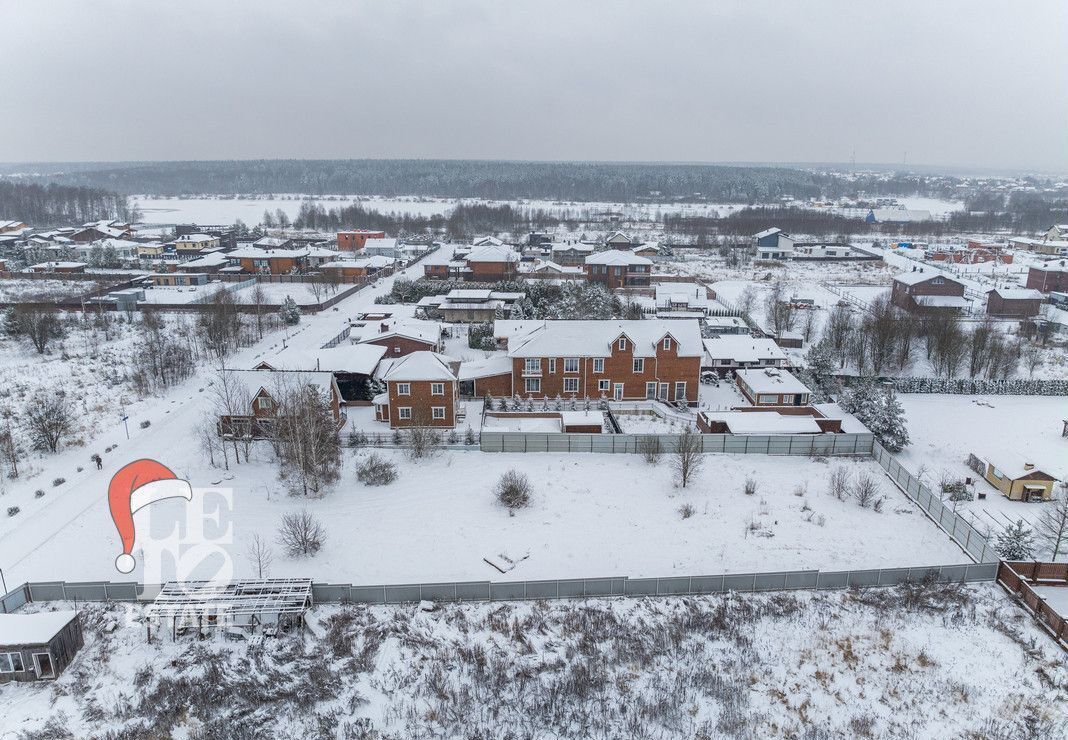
(300, 533)
(650, 449)
(376, 470)
(39, 493)
(750, 487)
(865, 490)
(879, 410)
(686, 511)
(513, 490)
(146, 424)
(12, 510)
(58, 482)
(838, 483)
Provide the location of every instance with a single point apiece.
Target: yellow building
(1022, 482)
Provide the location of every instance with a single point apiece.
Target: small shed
(1020, 482)
(39, 646)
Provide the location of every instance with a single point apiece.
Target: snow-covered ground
(946, 428)
(440, 519)
(16, 289)
(927, 663)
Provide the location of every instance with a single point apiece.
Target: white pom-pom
(125, 563)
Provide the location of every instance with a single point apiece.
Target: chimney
(1029, 466)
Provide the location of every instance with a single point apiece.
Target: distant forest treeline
(465, 220)
(572, 181)
(60, 205)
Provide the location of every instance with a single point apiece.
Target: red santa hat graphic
(135, 486)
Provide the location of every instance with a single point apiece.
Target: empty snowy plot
(591, 515)
(921, 662)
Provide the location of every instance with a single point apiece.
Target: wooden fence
(1019, 579)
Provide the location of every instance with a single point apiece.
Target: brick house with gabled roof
(619, 360)
(616, 268)
(491, 263)
(254, 394)
(421, 390)
(924, 292)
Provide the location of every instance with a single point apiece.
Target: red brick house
(253, 394)
(273, 261)
(354, 240)
(620, 360)
(924, 292)
(491, 264)
(1052, 276)
(98, 230)
(1013, 303)
(616, 268)
(421, 390)
(363, 267)
(406, 337)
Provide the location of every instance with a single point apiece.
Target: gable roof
(768, 380)
(420, 366)
(596, 338)
(743, 348)
(767, 232)
(616, 237)
(492, 253)
(919, 276)
(617, 257)
(253, 381)
(1017, 294)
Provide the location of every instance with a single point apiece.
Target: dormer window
(667, 342)
(622, 343)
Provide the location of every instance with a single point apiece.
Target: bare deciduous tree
(838, 483)
(650, 449)
(37, 324)
(687, 458)
(304, 436)
(301, 534)
(260, 556)
(421, 438)
(48, 417)
(1052, 525)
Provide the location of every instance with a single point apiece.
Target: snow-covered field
(15, 289)
(924, 663)
(587, 519)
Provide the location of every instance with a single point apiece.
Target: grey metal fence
(567, 588)
(792, 444)
(972, 541)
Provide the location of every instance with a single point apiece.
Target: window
(552, 364)
(532, 385)
(404, 412)
(938, 281)
(604, 385)
(437, 412)
(263, 403)
(598, 364)
(571, 365)
(622, 342)
(639, 365)
(680, 391)
(11, 663)
(571, 385)
(667, 342)
(404, 389)
(767, 398)
(532, 366)
(437, 389)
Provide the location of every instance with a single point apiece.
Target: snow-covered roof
(469, 294)
(492, 253)
(487, 368)
(919, 276)
(1017, 294)
(771, 380)
(487, 241)
(33, 629)
(767, 232)
(617, 257)
(616, 237)
(208, 260)
(578, 247)
(508, 328)
(270, 242)
(597, 338)
(374, 261)
(764, 422)
(54, 265)
(420, 366)
(255, 253)
(742, 348)
(375, 243)
(550, 266)
(581, 418)
(422, 331)
(197, 238)
(253, 381)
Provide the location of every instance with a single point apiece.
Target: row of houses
(923, 291)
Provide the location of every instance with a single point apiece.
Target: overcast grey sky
(978, 83)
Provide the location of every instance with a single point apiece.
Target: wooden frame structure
(269, 603)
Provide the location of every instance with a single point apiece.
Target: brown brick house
(924, 292)
(491, 264)
(772, 387)
(253, 396)
(620, 360)
(1013, 303)
(1048, 277)
(421, 390)
(272, 261)
(363, 267)
(616, 268)
(402, 338)
(354, 241)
